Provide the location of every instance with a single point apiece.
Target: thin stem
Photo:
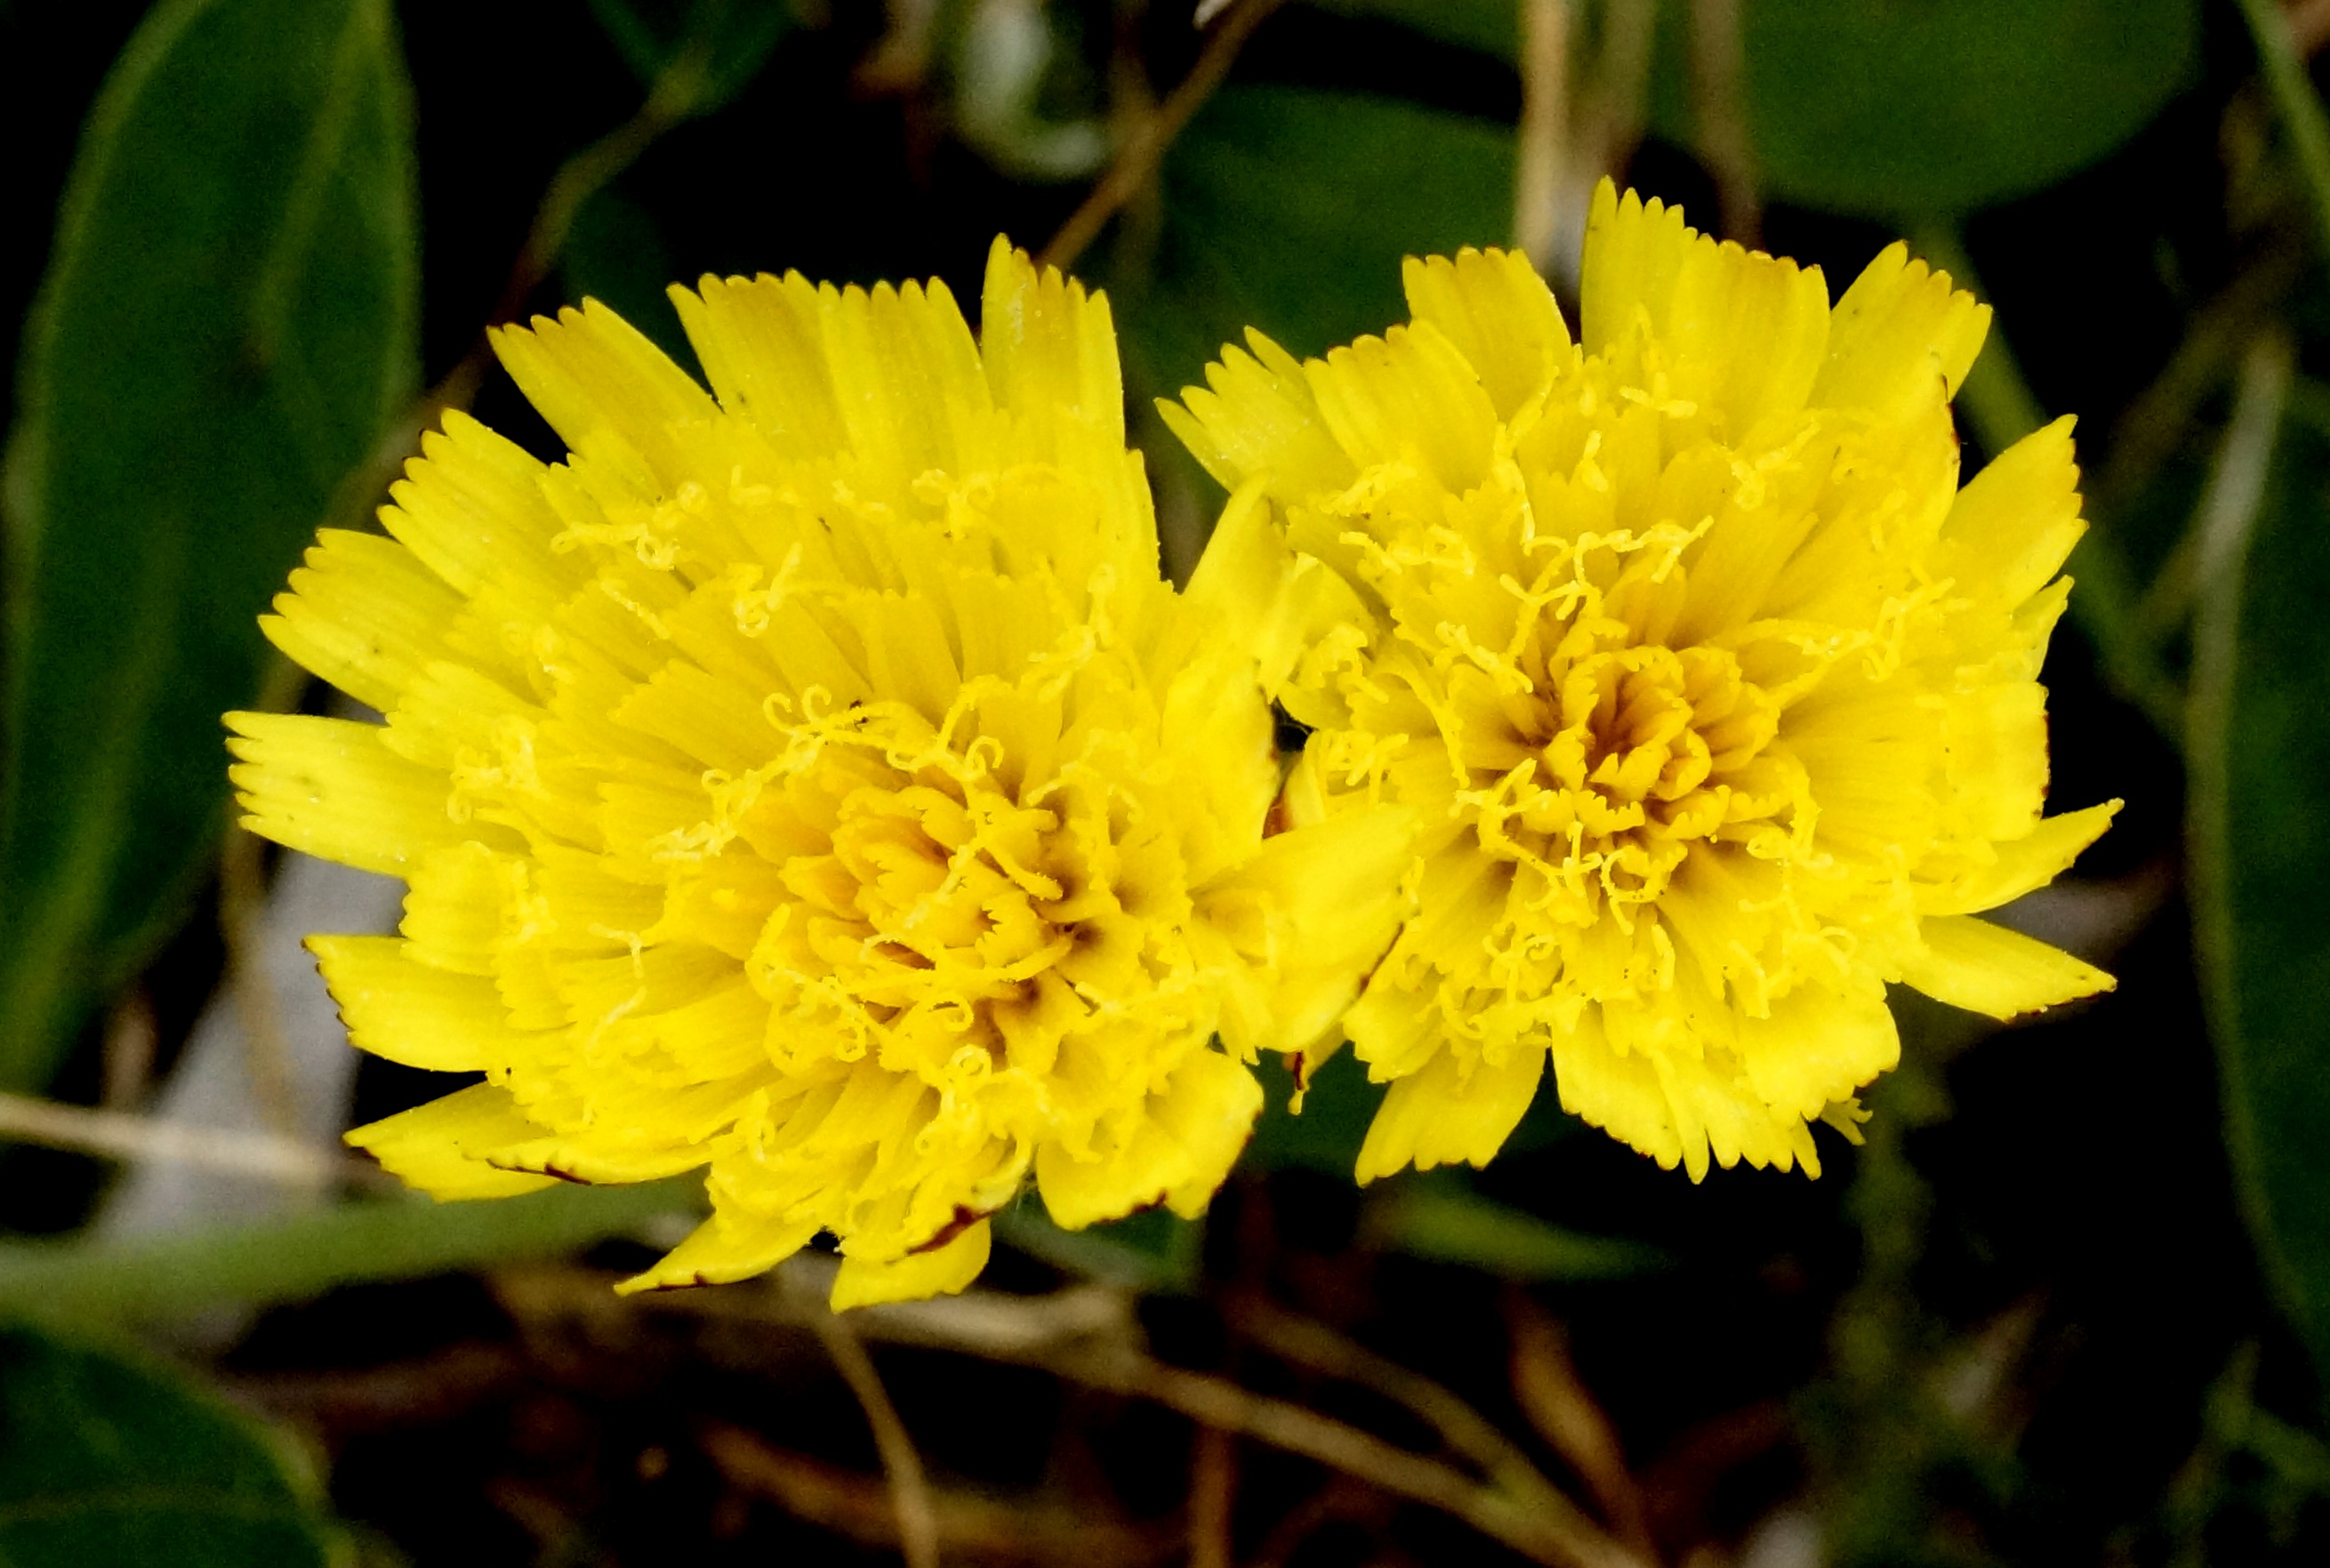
(1213, 1483)
(1544, 130)
(2298, 105)
(910, 1490)
(1144, 150)
(1087, 1335)
(119, 1135)
(1217, 1403)
(160, 1277)
(1718, 102)
(2228, 507)
(1308, 1342)
(243, 897)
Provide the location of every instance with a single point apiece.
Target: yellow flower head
(1716, 695)
(817, 783)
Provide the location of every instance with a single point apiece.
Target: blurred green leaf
(615, 253)
(1289, 209)
(2260, 750)
(1490, 26)
(226, 330)
(1151, 1251)
(734, 38)
(1897, 108)
(155, 1279)
(1438, 1216)
(1336, 1111)
(105, 1460)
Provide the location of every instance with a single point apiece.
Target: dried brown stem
(1544, 140)
(988, 1529)
(2309, 24)
(1088, 1335)
(1136, 164)
(114, 1134)
(1311, 1344)
(1549, 1391)
(910, 1490)
(242, 895)
(1213, 1485)
(1717, 65)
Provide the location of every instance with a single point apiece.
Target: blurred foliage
(1904, 111)
(1268, 182)
(225, 332)
(167, 1278)
(106, 1458)
(2259, 752)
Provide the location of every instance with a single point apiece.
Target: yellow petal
(1994, 741)
(1440, 1116)
(1817, 1047)
(1050, 351)
(593, 375)
(1744, 332)
(761, 342)
(1209, 1113)
(1620, 1094)
(407, 1012)
(441, 1147)
(472, 508)
(2022, 864)
(1409, 397)
(1499, 315)
(586, 1159)
(1334, 893)
(2014, 523)
(727, 1247)
(1282, 603)
(329, 787)
(906, 378)
(1634, 252)
(453, 912)
(941, 1271)
(1897, 329)
(1257, 416)
(1177, 1153)
(364, 613)
(1985, 968)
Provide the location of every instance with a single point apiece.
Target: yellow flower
(819, 784)
(1716, 695)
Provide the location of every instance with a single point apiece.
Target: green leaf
(1326, 1137)
(2260, 868)
(1896, 108)
(226, 328)
(1289, 209)
(1152, 1252)
(106, 1459)
(1439, 1217)
(733, 38)
(155, 1279)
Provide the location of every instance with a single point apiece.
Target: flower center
(1633, 756)
(927, 910)
(1653, 738)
